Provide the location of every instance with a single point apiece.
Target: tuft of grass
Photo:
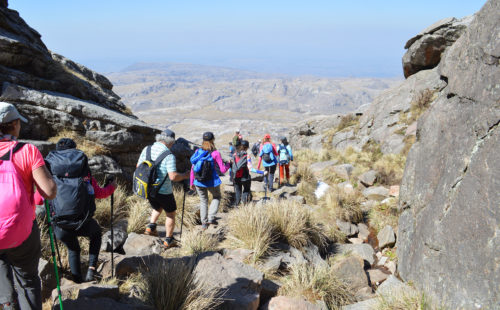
(316, 282)
(384, 214)
(295, 224)
(191, 210)
(195, 242)
(390, 168)
(409, 141)
(171, 285)
(306, 181)
(138, 214)
(251, 228)
(405, 298)
(420, 103)
(90, 148)
(344, 205)
(103, 212)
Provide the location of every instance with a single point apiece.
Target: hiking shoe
(213, 222)
(151, 230)
(170, 242)
(204, 226)
(91, 273)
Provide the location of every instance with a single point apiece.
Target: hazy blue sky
(318, 37)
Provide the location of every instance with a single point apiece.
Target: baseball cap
(237, 130)
(245, 143)
(267, 136)
(9, 113)
(208, 136)
(169, 133)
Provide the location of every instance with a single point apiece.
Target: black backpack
(75, 201)
(146, 174)
(255, 149)
(206, 172)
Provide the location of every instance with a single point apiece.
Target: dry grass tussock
(316, 282)
(306, 181)
(405, 298)
(384, 214)
(251, 228)
(344, 205)
(420, 103)
(390, 168)
(195, 242)
(139, 212)
(171, 285)
(90, 148)
(120, 207)
(295, 224)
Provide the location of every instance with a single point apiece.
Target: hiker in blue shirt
(285, 156)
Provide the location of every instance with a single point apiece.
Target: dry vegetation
(317, 282)
(344, 205)
(306, 181)
(348, 121)
(196, 242)
(138, 214)
(384, 214)
(418, 106)
(405, 298)
(90, 148)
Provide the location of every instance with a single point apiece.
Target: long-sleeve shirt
(275, 152)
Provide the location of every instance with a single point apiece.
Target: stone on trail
(376, 193)
(344, 170)
(386, 237)
(377, 276)
(364, 250)
(47, 277)
(290, 303)
(125, 265)
(239, 284)
(394, 191)
(119, 237)
(318, 168)
(362, 305)
(368, 178)
(239, 255)
(390, 285)
(355, 240)
(351, 270)
(347, 228)
(137, 244)
(363, 232)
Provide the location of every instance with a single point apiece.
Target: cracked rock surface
(448, 240)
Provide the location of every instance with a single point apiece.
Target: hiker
(237, 137)
(284, 157)
(74, 206)
(268, 158)
(256, 148)
(241, 179)
(164, 199)
(232, 149)
(21, 168)
(205, 178)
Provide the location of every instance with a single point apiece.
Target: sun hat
(9, 113)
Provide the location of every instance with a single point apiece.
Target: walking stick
(110, 180)
(53, 252)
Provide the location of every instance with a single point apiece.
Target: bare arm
(177, 177)
(44, 182)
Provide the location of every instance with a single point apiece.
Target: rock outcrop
(448, 241)
(57, 94)
(425, 49)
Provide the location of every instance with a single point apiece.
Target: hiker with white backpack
(161, 197)
(73, 208)
(206, 162)
(268, 158)
(21, 168)
(285, 156)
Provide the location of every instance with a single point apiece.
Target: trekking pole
(110, 180)
(52, 248)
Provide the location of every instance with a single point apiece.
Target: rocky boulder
(448, 242)
(290, 303)
(425, 49)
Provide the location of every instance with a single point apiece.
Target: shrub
(89, 147)
(195, 242)
(404, 298)
(138, 214)
(384, 214)
(390, 168)
(344, 205)
(294, 224)
(171, 285)
(316, 282)
(251, 228)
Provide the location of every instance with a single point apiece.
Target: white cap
(9, 113)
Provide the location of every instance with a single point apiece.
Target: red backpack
(239, 165)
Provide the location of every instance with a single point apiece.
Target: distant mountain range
(169, 94)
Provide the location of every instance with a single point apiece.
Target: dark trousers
(240, 185)
(269, 178)
(19, 270)
(90, 229)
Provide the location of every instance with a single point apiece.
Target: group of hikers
(64, 179)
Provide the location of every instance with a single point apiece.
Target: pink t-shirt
(26, 160)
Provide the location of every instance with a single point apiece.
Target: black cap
(169, 133)
(208, 136)
(245, 143)
(65, 144)
(283, 139)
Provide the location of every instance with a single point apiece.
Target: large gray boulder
(425, 49)
(239, 284)
(448, 241)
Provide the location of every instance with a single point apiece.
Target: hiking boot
(91, 273)
(151, 230)
(170, 242)
(213, 222)
(204, 226)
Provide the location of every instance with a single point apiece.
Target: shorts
(165, 202)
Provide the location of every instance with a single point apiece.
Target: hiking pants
(269, 178)
(284, 169)
(19, 269)
(240, 185)
(214, 206)
(89, 229)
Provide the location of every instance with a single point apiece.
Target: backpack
(75, 201)
(283, 151)
(146, 174)
(204, 168)
(239, 165)
(255, 149)
(16, 213)
(268, 155)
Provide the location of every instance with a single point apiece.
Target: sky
(332, 38)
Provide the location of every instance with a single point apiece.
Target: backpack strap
(158, 161)
(16, 148)
(148, 153)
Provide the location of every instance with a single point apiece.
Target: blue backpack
(268, 155)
